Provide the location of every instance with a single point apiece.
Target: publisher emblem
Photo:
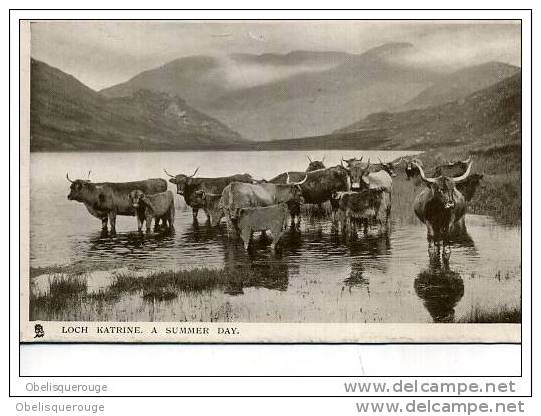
(38, 329)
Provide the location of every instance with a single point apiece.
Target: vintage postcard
(271, 181)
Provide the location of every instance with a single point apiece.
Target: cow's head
(443, 187)
(138, 198)
(181, 181)
(389, 167)
(297, 191)
(81, 190)
(357, 174)
(412, 169)
(315, 164)
(351, 162)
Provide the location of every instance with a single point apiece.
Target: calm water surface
(316, 278)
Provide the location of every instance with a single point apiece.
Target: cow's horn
(422, 173)
(89, 172)
(308, 157)
(68, 178)
(468, 160)
(301, 182)
(287, 178)
(465, 176)
(167, 173)
(323, 160)
(193, 174)
(379, 160)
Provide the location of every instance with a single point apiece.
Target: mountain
(461, 83)
(277, 96)
(67, 115)
(491, 116)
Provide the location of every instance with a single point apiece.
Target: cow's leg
(246, 235)
(112, 221)
(104, 224)
(277, 233)
(139, 223)
(194, 214)
(172, 217)
(365, 226)
(148, 220)
(207, 214)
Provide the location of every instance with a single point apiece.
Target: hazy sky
(104, 53)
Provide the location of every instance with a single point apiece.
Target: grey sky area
(104, 53)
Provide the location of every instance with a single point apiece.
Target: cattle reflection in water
(438, 286)
(440, 289)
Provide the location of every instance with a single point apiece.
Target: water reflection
(441, 289)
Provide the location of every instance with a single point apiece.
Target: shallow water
(317, 277)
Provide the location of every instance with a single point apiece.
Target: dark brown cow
(315, 164)
(441, 207)
(188, 185)
(320, 186)
(412, 170)
(106, 200)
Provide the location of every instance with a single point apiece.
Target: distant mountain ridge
(67, 115)
(303, 93)
(490, 115)
(462, 83)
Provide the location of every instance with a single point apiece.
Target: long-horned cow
(188, 185)
(318, 186)
(441, 207)
(106, 200)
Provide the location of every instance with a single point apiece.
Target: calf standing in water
(157, 206)
(272, 218)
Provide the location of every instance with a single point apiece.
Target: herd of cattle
(359, 194)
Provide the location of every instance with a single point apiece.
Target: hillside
(67, 115)
(461, 83)
(491, 115)
(279, 96)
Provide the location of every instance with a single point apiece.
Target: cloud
(244, 75)
(103, 53)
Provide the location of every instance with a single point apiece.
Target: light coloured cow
(272, 218)
(239, 195)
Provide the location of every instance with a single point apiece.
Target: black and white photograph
(272, 181)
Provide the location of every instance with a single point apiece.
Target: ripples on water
(316, 278)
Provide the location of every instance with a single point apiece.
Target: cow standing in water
(188, 185)
(106, 200)
(362, 208)
(158, 207)
(441, 207)
(244, 195)
(272, 218)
